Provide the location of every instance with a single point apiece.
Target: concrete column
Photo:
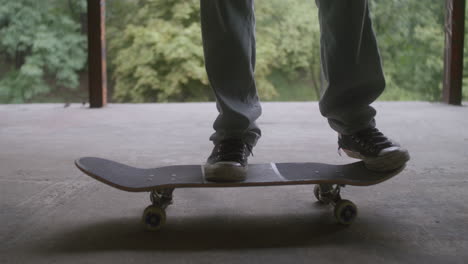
(97, 53)
(453, 61)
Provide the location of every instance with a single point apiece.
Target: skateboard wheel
(154, 217)
(345, 212)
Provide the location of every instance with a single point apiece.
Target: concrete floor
(52, 213)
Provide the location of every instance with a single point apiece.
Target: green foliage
(298, 89)
(40, 45)
(156, 53)
(411, 40)
(288, 47)
(155, 49)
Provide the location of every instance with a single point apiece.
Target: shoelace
(372, 139)
(234, 149)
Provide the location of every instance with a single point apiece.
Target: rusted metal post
(453, 59)
(97, 53)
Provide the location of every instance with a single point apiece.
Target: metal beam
(453, 59)
(97, 53)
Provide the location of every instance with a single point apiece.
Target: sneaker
(377, 151)
(228, 161)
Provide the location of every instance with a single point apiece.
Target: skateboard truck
(345, 210)
(161, 197)
(154, 216)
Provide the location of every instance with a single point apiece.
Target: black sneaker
(228, 161)
(377, 151)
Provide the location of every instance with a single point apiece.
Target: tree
(41, 46)
(156, 53)
(157, 56)
(411, 40)
(156, 50)
(288, 36)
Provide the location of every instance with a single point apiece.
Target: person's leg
(228, 30)
(351, 68)
(352, 80)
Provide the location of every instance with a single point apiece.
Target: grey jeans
(352, 76)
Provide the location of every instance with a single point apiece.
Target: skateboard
(161, 182)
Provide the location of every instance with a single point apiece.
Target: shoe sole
(390, 161)
(225, 172)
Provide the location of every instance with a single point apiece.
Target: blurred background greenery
(155, 52)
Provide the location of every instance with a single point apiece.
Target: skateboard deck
(162, 181)
(133, 179)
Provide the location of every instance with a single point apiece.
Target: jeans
(352, 76)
